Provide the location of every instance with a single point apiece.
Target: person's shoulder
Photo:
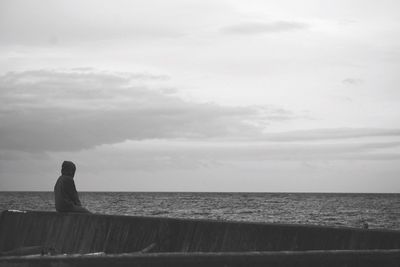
(65, 178)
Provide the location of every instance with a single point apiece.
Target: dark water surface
(378, 210)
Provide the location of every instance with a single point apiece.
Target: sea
(378, 211)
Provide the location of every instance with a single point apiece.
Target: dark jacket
(66, 196)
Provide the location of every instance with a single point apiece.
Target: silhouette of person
(66, 196)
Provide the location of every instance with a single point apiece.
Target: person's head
(68, 168)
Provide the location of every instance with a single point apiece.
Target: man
(66, 196)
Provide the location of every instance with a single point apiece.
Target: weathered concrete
(88, 233)
(351, 258)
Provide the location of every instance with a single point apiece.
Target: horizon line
(221, 192)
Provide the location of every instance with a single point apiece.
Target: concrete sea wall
(352, 258)
(86, 233)
(190, 242)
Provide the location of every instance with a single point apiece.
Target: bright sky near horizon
(178, 95)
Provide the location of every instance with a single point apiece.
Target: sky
(182, 95)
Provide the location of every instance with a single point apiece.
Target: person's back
(66, 196)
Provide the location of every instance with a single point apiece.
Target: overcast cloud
(201, 95)
(260, 28)
(72, 110)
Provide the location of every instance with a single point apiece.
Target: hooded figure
(66, 196)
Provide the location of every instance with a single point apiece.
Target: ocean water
(378, 210)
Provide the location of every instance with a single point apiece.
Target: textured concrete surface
(352, 258)
(88, 233)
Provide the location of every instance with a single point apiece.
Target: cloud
(156, 155)
(75, 109)
(47, 22)
(55, 23)
(250, 28)
(331, 134)
(352, 81)
(68, 110)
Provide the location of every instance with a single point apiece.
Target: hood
(68, 168)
